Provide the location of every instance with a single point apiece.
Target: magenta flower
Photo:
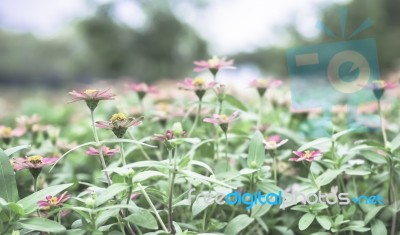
(142, 89)
(274, 142)
(91, 97)
(262, 85)
(306, 155)
(119, 123)
(7, 133)
(214, 65)
(222, 120)
(53, 201)
(198, 85)
(378, 87)
(107, 152)
(36, 162)
(167, 136)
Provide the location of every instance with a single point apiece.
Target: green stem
(275, 166)
(220, 107)
(196, 120)
(171, 193)
(121, 145)
(96, 137)
(260, 113)
(35, 179)
(226, 151)
(382, 124)
(152, 207)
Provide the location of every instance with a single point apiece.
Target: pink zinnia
(104, 149)
(142, 89)
(262, 85)
(28, 122)
(214, 64)
(32, 162)
(198, 85)
(222, 120)
(8, 132)
(305, 155)
(274, 142)
(119, 123)
(91, 97)
(53, 201)
(378, 87)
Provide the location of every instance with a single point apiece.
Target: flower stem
(382, 123)
(152, 207)
(35, 179)
(121, 145)
(260, 113)
(171, 192)
(196, 120)
(226, 151)
(275, 166)
(96, 137)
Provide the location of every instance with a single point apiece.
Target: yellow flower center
(35, 159)
(214, 62)
(7, 131)
(379, 83)
(224, 118)
(272, 144)
(53, 201)
(307, 154)
(262, 82)
(90, 91)
(118, 117)
(199, 82)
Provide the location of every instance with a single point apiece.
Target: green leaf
(142, 218)
(256, 156)
(199, 205)
(315, 143)
(204, 178)
(141, 176)
(327, 177)
(110, 192)
(357, 172)
(13, 150)
(305, 221)
(8, 184)
(378, 227)
(324, 221)
(42, 224)
(235, 102)
(29, 203)
(237, 224)
(372, 213)
(395, 144)
(16, 208)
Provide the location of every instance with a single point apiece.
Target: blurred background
(54, 46)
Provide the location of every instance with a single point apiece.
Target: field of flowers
(138, 161)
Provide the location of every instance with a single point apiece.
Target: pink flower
(91, 97)
(222, 120)
(119, 123)
(8, 132)
(305, 155)
(262, 85)
(142, 89)
(32, 162)
(274, 142)
(214, 64)
(198, 85)
(27, 122)
(53, 201)
(104, 149)
(378, 87)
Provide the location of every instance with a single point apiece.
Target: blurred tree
(163, 47)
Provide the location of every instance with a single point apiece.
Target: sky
(230, 25)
